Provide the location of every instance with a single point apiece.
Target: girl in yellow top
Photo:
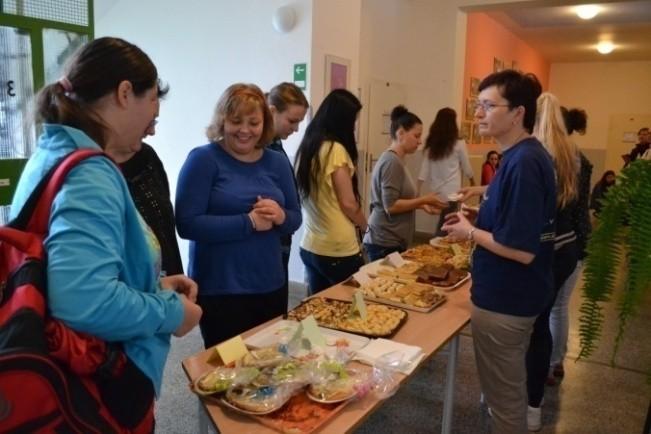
(325, 174)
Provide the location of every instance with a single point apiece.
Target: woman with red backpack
(103, 261)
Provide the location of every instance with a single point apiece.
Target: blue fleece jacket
(102, 265)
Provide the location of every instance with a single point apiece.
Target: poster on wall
(466, 130)
(337, 73)
(476, 138)
(474, 86)
(470, 108)
(498, 64)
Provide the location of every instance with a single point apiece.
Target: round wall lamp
(605, 47)
(284, 19)
(587, 12)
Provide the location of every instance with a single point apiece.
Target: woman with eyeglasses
(514, 242)
(447, 159)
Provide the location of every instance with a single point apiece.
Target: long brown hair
(95, 70)
(443, 134)
(550, 130)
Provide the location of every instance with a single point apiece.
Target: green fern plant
(621, 241)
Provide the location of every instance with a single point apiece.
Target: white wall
(602, 89)
(614, 95)
(200, 47)
(335, 31)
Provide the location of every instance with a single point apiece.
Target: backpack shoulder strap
(35, 214)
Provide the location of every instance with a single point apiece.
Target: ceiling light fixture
(605, 47)
(587, 12)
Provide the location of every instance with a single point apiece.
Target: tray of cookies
(381, 321)
(403, 293)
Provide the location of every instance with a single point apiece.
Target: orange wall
(487, 39)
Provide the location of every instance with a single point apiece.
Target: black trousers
(539, 354)
(285, 288)
(228, 315)
(538, 357)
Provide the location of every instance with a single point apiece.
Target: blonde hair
(239, 99)
(550, 130)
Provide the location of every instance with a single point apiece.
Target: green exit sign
(300, 75)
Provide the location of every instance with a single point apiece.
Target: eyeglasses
(487, 106)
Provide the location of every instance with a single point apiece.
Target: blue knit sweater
(215, 192)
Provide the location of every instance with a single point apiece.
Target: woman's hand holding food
(457, 226)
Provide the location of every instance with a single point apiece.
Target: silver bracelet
(255, 228)
(470, 233)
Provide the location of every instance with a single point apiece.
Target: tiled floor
(594, 397)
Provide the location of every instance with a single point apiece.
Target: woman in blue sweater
(235, 200)
(103, 261)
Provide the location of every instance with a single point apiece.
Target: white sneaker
(534, 418)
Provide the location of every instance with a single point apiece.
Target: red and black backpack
(53, 379)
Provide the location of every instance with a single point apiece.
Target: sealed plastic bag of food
(386, 374)
(260, 400)
(220, 379)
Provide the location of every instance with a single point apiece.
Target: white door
(383, 97)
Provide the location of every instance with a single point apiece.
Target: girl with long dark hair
(326, 165)
(447, 158)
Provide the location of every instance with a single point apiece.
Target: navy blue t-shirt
(519, 210)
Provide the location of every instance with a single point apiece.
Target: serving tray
(296, 315)
(405, 305)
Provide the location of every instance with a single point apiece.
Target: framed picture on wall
(474, 86)
(498, 64)
(466, 131)
(476, 138)
(470, 108)
(337, 73)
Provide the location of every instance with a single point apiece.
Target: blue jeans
(375, 251)
(559, 322)
(325, 271)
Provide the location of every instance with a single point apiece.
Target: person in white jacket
(447, 158)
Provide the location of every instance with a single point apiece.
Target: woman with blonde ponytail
(551, 131)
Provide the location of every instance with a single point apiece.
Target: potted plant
(620, 242)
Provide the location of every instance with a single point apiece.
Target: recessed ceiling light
(605, 47)
(587, 12)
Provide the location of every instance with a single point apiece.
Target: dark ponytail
(401, 117)
(575, 120)
(94, 71)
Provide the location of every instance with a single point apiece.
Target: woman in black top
(150, 191)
